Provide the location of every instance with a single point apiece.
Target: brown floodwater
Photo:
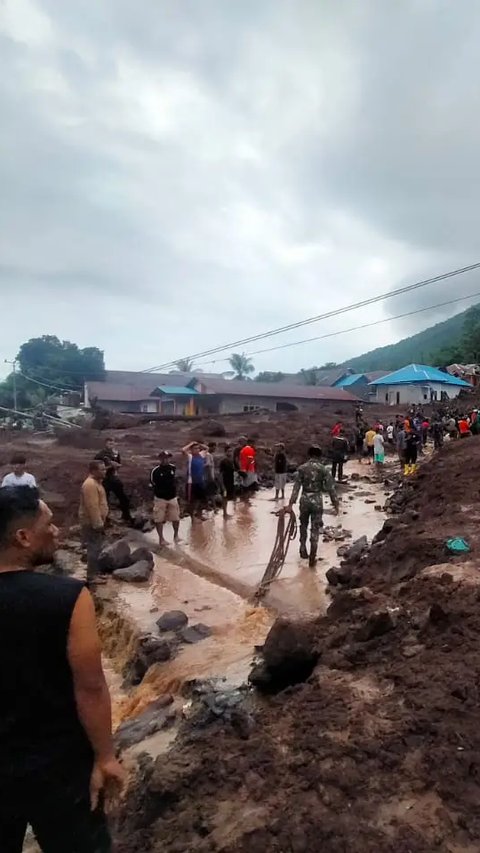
(212, 576)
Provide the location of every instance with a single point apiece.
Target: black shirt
(280, 462)
(227, 472)
(108, 455)
(339, 447)
(39, 723)
(163, 480)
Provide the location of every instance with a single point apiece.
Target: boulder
(195, 633)
(149, 650)
(137, 573)
(115, 556)
(156, 716)
(142, 553)
(172, 620)
(357, 548)
(215, 429)
(289, 644)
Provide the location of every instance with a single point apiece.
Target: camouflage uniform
(314, 479)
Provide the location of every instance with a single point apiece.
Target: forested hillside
(423, 348)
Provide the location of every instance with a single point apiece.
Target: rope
(285, 535)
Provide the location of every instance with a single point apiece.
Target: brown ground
(380, 749)
(61, 465)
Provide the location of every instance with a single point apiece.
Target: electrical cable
(334, 313)
(353, 328)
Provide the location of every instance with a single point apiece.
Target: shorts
(370, 450)
(379, 457)
(165, 510)
(280, 482)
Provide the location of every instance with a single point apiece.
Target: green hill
(420, 348)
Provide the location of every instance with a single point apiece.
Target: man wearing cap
(165, 503)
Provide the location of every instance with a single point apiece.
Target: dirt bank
(379, 748)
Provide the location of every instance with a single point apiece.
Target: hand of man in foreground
(109, 777)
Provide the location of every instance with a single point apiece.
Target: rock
(343, 550)
(354, 476)
(149, 650)
(378, 508)
(172, 620)
(347, 601)
(289, 652)
(142, 553)
(115, 556)
(139, 520)
(260, 676)
(377, 624)
(137, 573)
(358, 547)
(339, 575)
(195, 633)
(369, 501)
(156, 716)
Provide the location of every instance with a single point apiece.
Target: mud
(378, 749)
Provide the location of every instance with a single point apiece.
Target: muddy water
(212, 576)
(235, 553)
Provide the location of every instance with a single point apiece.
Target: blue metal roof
(420, 373)
(175, 391)
(345, 381)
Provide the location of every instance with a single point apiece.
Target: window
(398, 398)
(386, 397)
(250, 408)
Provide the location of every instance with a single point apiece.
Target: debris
(457, 545)
(377, 624)
(172, 620)
(142, 553)
(156, 716)
(115, 556)
(137, 573)
(195, 633)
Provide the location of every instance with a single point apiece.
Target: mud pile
(379, 748)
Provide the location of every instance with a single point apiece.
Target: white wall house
(417, 383)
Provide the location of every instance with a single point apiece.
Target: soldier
(314, 479)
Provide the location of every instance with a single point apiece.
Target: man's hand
(107, 776)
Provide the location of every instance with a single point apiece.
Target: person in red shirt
(337, 429)
(247, 458)
(464, 427)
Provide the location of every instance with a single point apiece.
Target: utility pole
(14, 380)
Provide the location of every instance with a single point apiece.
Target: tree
(241, 365)
(270, 376)
(309, 375)
(184, 365)
(60, 363)
(329, 365)
(471, 335)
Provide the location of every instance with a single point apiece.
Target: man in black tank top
(56, 751)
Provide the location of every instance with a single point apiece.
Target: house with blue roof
(359, 383)
(417, 383)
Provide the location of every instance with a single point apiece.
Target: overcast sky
(176, 175)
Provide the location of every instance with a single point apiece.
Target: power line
(356, 328)
(354, 306)
(45, 385)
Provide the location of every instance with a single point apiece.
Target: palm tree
(241, 365)
(184, 365)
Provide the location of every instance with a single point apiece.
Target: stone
(347, 601)
(172, 620)
(289, 644)
(358, 547)
(139, 520)
(378, 508)
(195, 633)
(142, 553)
(156, 716)
(115, 556)
(215, 429)
(343, 550)
(260, 676)
(332, 576)
(138, 573)
(150, 650)
(377, 624)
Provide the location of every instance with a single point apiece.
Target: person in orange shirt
(464, 427)
(247, 464)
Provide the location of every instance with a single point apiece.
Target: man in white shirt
(18, 476)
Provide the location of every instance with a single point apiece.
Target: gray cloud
(176, 175)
